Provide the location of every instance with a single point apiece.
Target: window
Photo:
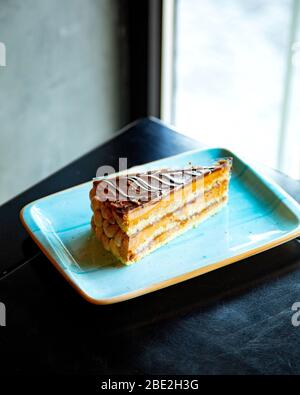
(236, 76)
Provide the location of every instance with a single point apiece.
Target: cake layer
(114, 238)
(181, 214)
(171, 234)
(132, 227)
(140, 216)
(120, 247)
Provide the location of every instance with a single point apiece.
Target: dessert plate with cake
(130, 233)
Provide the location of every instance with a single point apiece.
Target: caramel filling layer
(185, 211)
(175, 231)
(127, 247)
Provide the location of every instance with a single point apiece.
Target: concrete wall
(63, 90)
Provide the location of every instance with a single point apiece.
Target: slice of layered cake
(133, 214)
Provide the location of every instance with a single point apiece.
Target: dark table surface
(231, 321)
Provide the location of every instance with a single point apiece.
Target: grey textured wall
(63, 90)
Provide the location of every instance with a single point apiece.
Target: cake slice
(133, 214)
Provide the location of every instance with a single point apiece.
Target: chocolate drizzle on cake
(132, 190)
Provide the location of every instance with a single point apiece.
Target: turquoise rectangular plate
(259, 215)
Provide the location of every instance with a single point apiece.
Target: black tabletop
(230, 321)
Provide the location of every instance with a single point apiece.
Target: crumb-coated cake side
(133, 214)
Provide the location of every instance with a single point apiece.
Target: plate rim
(293, 205)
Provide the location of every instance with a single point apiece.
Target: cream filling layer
(174, 206)
(177, 232)
(220, 201)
